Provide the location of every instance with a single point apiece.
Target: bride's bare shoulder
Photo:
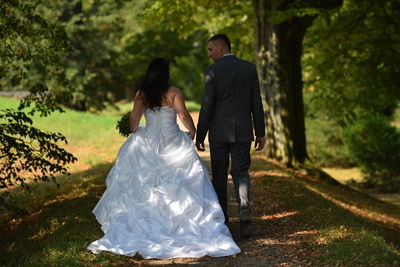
(174, 90)
(170, 96)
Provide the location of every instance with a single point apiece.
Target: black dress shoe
(245, 229)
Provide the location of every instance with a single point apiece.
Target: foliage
(112, 46)
(91, 139)
(113, 41)
(97, 32)
(186, 57)
(232, 17)
(352, 62)
(27, 152)
(201, 20)
(375, 145)
(187, 70)
(351, 67)
(30, 50)
(324, 141)
(279, 16)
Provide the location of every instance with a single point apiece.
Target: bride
(159, 200)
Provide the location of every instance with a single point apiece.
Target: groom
(231, 106)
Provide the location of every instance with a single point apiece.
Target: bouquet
(123, 125)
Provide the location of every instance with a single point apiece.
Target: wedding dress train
(159, 200)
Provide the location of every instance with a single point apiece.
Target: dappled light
(374, 216)
(281, 220)
(278, 215)
(324, 191)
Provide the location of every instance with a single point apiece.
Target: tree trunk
(279, 50)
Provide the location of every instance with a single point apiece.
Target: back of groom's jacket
(232, 102)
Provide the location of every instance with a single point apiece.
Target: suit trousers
(239, 153)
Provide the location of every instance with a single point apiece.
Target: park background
(329, 76)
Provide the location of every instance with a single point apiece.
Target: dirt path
(274, 242)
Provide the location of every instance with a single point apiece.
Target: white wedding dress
(159, 200)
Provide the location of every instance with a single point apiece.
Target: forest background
(329, 77)
(87, 55)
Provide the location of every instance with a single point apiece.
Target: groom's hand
(259, 143)
(200, 146)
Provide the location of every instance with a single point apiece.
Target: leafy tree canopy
(352, 75)
(31, 49)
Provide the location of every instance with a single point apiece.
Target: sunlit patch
(394, 222)
(267, 173)
(332, 234)
(259, 156)
(57, 199)
(273, 241)
(303, 233)
(54, 254)
(278, 215)
(53, 226)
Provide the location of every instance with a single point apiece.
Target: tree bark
(279, 49)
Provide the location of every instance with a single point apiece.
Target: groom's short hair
(223, 38)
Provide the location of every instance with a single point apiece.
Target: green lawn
(92, 138)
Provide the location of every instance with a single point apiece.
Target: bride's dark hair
(155, 83)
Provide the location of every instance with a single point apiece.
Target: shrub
(375, 145)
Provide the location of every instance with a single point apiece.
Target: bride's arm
(136, 114)
(183, 113)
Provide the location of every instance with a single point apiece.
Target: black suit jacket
(232, 102)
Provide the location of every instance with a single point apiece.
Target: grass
(56, 232)
(6, 102)
(59, 230)
(337, 226)
(338, 233)
(92, 138)
(123, 107)
(345, 175)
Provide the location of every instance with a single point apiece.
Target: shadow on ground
(288, 218)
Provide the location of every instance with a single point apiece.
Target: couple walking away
(159, 200)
